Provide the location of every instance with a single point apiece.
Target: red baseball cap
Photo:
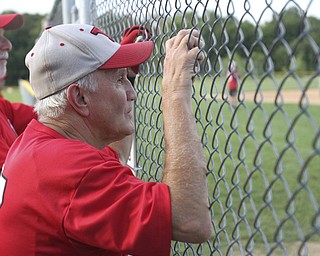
(11, 21)
(65, 53)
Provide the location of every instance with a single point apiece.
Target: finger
(197, 53)
(139, 39)
(181, 37)
(169, 43)
(195, 40)
(201, 56)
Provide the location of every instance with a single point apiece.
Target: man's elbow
(194, 231)
(203, 231)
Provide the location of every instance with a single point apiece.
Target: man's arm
(19, 114)
(185, 166)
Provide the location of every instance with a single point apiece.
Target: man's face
(5, 47)
(111, 106)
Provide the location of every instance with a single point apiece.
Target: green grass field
(263, 164)
(264, 171)
(12, 93)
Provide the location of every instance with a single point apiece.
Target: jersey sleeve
(19, 114)
(4, 148)
(114, 210)
(22, 115)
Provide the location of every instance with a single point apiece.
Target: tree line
(290, 41)
(22, 40)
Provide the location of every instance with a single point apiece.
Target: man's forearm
(185, 169)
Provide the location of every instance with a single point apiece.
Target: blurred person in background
(14, 117)
(233, 78)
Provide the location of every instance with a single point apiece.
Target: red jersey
(232, 80)
(65, 197)
(14, 118)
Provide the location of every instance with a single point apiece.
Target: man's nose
(5, 44)
(131, 92)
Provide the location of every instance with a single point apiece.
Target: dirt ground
(313, 249)
(290, 96)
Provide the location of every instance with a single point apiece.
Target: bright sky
(27, 6)
(256, 8)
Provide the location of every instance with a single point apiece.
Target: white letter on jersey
(3, 182)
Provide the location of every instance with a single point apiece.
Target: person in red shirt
(14, 117)
(233, 78)
(64, 190)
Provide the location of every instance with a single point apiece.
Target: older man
(64, 189)
(14, 117)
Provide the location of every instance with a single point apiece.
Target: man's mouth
(4, 55)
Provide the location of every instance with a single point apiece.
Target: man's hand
(135, 34)
(182, 53)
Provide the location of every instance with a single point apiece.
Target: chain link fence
(262, 145)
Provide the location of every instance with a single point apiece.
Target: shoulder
(5, 105)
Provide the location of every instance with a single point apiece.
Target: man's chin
(2, 84)
(3, 69)
(130, 131)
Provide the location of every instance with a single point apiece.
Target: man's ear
(77, 99)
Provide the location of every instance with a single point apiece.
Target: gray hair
(54, 105)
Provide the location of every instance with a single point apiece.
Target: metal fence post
(66, 10)
(84, 11)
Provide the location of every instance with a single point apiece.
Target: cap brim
(11, 21)
(129, 55)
